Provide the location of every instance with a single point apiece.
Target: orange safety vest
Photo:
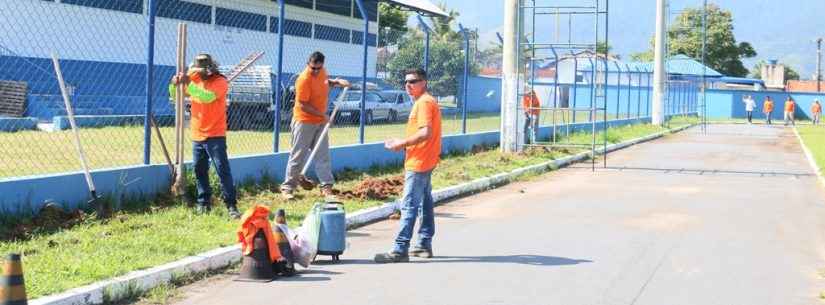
(254, 219)
(790, 106)
(768, 107)
(816, 108)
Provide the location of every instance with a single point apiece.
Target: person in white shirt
(750, 103)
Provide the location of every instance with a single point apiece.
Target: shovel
(305, 182)
(100, 207)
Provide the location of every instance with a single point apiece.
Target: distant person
(816, 111)
(422, 147)
(308, 120)
(206, 87)
(790, 107)
(767, 109)
(531, 104)
(749, 105)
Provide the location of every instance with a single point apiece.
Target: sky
(783, 30)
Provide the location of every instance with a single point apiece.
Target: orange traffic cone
(257, 266)
(13, 290)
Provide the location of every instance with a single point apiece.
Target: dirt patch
(375, 188)
(51, 218)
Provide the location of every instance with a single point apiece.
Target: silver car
(389, 105)
(400, 104)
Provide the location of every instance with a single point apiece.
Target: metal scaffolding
(578, 49)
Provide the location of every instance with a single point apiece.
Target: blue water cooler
(332, 237)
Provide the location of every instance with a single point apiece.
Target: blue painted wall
(725, 104)
(25, 195)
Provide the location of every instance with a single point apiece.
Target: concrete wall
(726, 104)
(26, 195)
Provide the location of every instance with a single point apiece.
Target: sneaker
(287, 194)
(202, 208)
(233, 212)
(329, 194)
(422, 252)
(391, 257)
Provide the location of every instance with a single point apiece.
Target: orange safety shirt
(816, 108)
(789, 106)
(208, 111)
(768, 106)
(254, 219)
(531, 101)
(313, 90)
(424, 156)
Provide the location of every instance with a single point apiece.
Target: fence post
(629, 88)
(648, 91)
(618, 91)
(150, 88)
(427, 30)
(276, 130)
(575, 83)
(362, 107)
(466, 80)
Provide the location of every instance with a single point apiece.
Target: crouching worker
(206, 89)
(422, 146)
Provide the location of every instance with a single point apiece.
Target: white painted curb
(120, 287)
(810, 157)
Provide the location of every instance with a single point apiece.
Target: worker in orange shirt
(423, 152)
(767, 109)
(207, 88)
(816, 111)
(308, 119)
(790, 107)
(530, 102)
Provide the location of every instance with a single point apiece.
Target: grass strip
(813, 136)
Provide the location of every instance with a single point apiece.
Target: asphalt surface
(733, 216)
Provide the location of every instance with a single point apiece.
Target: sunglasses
(411, 81)
(316, 68)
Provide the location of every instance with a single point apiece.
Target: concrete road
(731, 217)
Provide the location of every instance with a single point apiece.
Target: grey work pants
(304, 137)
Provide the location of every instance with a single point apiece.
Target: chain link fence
(105, 48)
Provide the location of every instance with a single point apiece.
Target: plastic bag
(303, 250)
(311, 227)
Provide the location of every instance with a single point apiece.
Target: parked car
(400, 104)
(388, 105)
(349, 109)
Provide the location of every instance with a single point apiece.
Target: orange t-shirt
(789, 106)
(816, 108)
(424, 156)
(315, 91)
(768, 106)
(208, 106)
(531, 101)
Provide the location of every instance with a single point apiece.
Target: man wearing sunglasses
(308, 119)
(422, 147)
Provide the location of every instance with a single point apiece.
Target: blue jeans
(213, 149)
(417, 195)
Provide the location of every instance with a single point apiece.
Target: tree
(442, 27)
(393, 23)
(756, 72)
(723, 53)
(446, 57)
